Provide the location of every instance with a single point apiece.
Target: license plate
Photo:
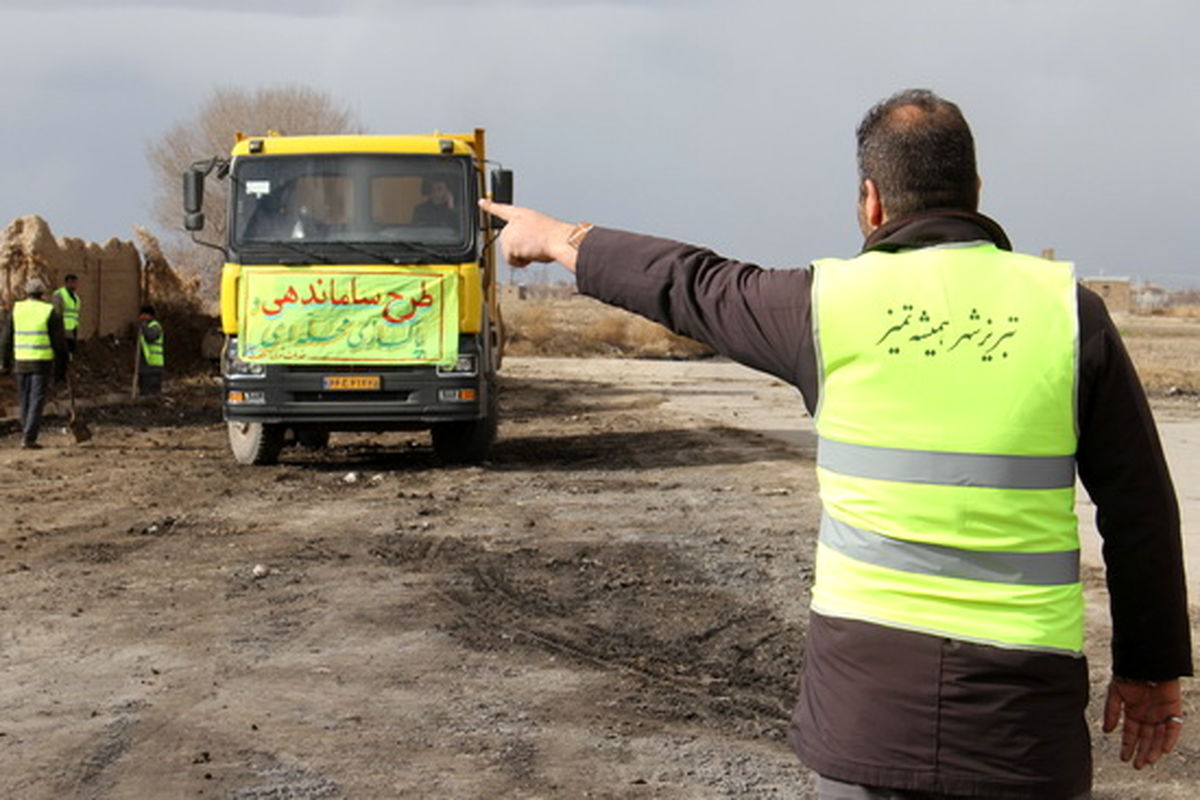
(351, 382)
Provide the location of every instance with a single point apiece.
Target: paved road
(733, 395)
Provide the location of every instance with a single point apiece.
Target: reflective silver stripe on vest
(953, 469)
(1025, 569)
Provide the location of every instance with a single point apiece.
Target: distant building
(1117, 293)
(1151, 297)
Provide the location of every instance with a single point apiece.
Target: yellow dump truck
(358, 291)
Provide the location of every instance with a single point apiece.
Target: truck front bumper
(400, 400)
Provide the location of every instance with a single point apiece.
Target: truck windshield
(395, 208)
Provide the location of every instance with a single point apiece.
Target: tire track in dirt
(705, 653)
(593, 647)
(104, 750)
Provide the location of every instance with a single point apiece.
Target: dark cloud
(290, 8)
(727, 124)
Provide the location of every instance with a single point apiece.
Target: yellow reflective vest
(152, 352)
(31, 330)
(947, 438)
(70, 308)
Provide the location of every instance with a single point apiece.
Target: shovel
(75, 422)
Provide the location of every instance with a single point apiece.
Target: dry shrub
(1166, 351)
(531, 331)
(609, 331)
(528, 326)
(1184, 311)
(1169, 380)
(580, 327)
(646, 339)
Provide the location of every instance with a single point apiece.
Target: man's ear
(872, 207)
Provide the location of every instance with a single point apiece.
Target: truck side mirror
(502, 192)
(502, 186)
(193, 199)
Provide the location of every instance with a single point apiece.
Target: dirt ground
(612, 607)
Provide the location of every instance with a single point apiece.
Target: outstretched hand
(532, 236)
(1153, 718)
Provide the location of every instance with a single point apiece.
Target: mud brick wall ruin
(110, 274)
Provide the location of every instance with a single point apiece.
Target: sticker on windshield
(258, 188)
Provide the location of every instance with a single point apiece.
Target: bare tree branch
(291, 109)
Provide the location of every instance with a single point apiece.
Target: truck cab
(358, 291)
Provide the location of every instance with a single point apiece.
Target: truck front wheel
(255, 443)
(467, 442)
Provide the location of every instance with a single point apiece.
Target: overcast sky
(728, 124)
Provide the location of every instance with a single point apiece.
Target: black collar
(940, 226)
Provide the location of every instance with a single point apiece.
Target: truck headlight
(246, 398)
(231, 365)
(457, 395)
(465, 366)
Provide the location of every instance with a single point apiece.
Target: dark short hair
(147, 310)
(918, 149)
(71, 276)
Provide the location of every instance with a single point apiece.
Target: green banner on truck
(298, 316)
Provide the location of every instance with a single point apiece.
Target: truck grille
(351, 397)
(340, 369)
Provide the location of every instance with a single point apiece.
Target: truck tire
(468, 442)
(255, 443)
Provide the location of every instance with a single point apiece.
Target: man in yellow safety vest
(957, 389)
(66, 301)
(150, 348)
(33, 346)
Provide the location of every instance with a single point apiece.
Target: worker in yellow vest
(35, 348)
(66, 301)
(957, 389)
(150, 346)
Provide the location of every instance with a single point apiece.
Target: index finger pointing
(501, 210)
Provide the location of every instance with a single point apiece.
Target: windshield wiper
(358, 248)
(382, 253)
(417, 247)
(295, 247)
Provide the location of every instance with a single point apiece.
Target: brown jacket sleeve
(1121, 464)
(758, 317)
